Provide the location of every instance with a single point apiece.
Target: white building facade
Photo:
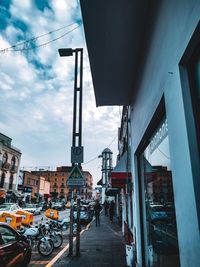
(151, 57)
(10, 158)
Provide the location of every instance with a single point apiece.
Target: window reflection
(161, 228)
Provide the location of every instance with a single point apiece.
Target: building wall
(9, 168)
(86, 192)
(32, 181)
(44, 186)
(58, 181)
(173, 27)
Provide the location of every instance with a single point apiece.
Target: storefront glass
(161, 231)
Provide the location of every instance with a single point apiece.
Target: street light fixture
(77, 149)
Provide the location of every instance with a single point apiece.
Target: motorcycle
(37, 238)
(54, 234)
(60, 225)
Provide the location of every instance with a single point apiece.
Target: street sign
(76, 154)
(75, 178)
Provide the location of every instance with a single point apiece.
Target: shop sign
(159, 136)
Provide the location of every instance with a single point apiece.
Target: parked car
(86, 214)
(15, 249)
(9, 207)
(58, 205)
(43, 205)
(33, 208)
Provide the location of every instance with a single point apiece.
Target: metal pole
(71, 225)
(78, 225)
(75, 101)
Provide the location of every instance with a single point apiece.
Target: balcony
(14, 169)
(5, 166)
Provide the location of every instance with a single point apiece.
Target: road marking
(66, 248)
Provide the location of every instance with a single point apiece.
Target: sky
(36, 86)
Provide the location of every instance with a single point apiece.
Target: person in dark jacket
(50, 204)
(97, 209)
(106, 207)
(112, 210)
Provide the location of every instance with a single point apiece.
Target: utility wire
(97, 156)
(8, 49)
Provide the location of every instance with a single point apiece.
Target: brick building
(58, 178)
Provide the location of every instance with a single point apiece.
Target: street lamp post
(77, 149)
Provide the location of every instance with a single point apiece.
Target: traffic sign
(76, 178)
(76, 154)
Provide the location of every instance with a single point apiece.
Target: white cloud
(37, 103)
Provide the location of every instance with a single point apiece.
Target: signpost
(76, 179)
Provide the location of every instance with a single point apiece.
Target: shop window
(5, 158)
(190, 82)
(194, 80)
(13, 161)
(2, 180)
(160, 216)
(10, 182)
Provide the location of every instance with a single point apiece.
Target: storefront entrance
(160, 230)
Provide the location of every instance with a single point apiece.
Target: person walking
(106, 207)
(50, 204)
(112, 210)
(97, 209)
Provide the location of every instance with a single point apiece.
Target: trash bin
(12, 219)
(52, 214)
(27, 217)
(130, 254)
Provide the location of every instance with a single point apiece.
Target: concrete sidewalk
(101, 246)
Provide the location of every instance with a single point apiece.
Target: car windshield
(5, 207)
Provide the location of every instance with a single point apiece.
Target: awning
(100, 182)
(121, 174)
(47, 195)
(2, 193)
(115, 36)
(112, 192)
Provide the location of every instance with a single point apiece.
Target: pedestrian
(97, 209)
(112, 210)
(50, 204)
(106, 207)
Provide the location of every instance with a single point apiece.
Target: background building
(58, 178)
(9, 166)
(31, 184)
(86, 191)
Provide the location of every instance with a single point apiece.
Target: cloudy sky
(36, 86)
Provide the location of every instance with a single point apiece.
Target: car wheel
(27, 259)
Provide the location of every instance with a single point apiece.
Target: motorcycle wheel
(57, 240)
(45, 248)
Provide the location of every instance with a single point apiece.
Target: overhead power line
(98, 156)
(12, 48)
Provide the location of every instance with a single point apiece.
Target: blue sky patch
(41, 5)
